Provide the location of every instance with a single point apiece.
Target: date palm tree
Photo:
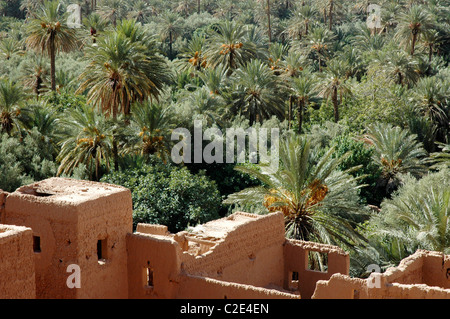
(333, 84)
(319, 202)
(112, 10)
(412, 24)
(304, 89)
(124, 68)
(432, 95)
(396, 152)
(11, 96)
(149, 130)
(49, 33)
(86, 137)
(170, 27)
(227, 46)
(257, 92)
(417, 217)
(9, 47)
(120, 72)
(396, 66)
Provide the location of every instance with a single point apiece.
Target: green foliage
(168, 195)
(26, 161)
(415, 218)
(360, 155)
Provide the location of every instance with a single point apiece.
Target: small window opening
(293, 280)
(36, 244)
(317, 261)
(101, 249)
(149, 272)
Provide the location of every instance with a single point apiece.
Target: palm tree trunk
(301, 104)
(331, 15)
(430, 52)
(334, 98)
(413, 42)
(291, 102)
(170, 43)
(268, 21)
(52, 61)
(198, 6)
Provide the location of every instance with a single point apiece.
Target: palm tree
(396, 151)
(257, 92)
(35, 75)
(397, 66)
(318, 201)
(318, 41)
(120, 72)
(170, 27)
(431, 38)
(412, 24)
(432, 95)
(193, 54)
(9, 46)
(86, 137)
(304, 88)
(48, 32)
(333, 85)
(150, 129)
(95, 23)
(44, 118)
(227, 46)
(140, 11)
(112, 10)
(11, 96)
(417, 216)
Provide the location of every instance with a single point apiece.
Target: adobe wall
(194, 287)
(69, 217)
(252, 253)
(3, 196)
(107, 217)
(161, 254)
(17, 278)
(55, 230)
(296, 260)
(422, 275)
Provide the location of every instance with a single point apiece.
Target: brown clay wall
(341, 286)
(152, 229)
(109, 219)
(402, 282)
(250, 254)
(409, 271)
(436, 270)
(296, 260)
(3, 196)
(160, 254)
(193, 287)
(56, 226)
(17, 277)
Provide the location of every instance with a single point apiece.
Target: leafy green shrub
(168, 195)
(369, 172)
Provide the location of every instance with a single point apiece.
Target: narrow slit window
(149, 277)
(36, 244)
(101, 249)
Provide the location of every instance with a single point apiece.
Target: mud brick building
(50, 225)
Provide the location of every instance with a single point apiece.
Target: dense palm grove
(363, 112)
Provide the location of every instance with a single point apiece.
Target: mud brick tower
(75, 223)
